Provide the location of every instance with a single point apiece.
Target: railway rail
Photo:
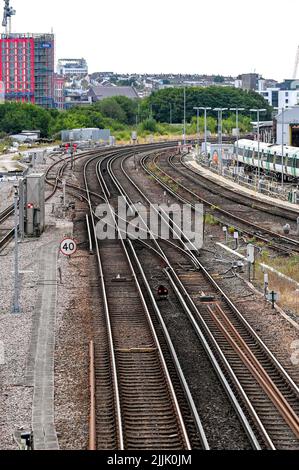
(180, 164)
(269, 393)
(147, 413)
(4, 215)
(137, 406)
(187, 193)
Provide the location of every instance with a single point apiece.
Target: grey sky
(212, 36)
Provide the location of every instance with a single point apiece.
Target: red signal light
(162, 291)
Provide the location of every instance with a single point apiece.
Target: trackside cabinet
(34, 207)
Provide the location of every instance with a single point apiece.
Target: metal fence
(264, 185)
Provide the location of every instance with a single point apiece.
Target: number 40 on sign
(68, 247)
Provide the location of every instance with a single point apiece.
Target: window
(275, 99)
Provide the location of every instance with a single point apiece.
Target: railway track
(165, 172)
(181, 164)
(137, 403)
(270, 397)
(4, 215)
(145, 406)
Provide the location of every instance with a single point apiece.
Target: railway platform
(237, 188)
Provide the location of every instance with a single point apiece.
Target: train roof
(252, 144)
(272, 148)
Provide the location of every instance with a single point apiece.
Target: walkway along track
(166, 172)
(180, 163)
(147, 414)
(270, 392)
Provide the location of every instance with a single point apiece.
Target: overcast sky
(212, 36)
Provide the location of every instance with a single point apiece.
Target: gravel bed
(222, 427)
(6, 194)
(277, 333)
(274, 329)
(73, 334)
(15, 330)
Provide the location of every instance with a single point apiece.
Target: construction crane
(296, 64)
(8, 13)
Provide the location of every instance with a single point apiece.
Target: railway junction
(147, 341)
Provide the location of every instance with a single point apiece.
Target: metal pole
(205, 109)
(184, 115)
(197, 130)
(64, 192)
(206, 132)
(258, 146)
(220, 138)
(282, 147)
(170, 113)
(16, 301)
(238, 136)
(258, 111)
(220, 111)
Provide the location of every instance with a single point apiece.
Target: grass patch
(211, 220)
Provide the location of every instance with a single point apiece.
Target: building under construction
(27, 68)
(26, 64)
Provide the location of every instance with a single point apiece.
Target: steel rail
(223, 211)
(186, 201)
(249, 431)
(229, 391)
(162, 323)
(119, 425)
(292, 384)
(266, 350)
(250, 361)
(92, 414)
(267, 207)
(150, 323)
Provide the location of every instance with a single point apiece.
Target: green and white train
(270, 158)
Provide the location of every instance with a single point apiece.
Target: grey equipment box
(34, 205)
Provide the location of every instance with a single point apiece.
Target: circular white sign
(68, 247)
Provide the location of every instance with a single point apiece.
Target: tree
(218, 79)
(110, 108)
(213, 96)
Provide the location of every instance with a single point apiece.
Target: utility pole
(184, 115)
(237, 110)
(258, 111)
(205, 109)
(197, 127)
(282, 147)
(220, 112)
(170, 113)
(7, 14)
(16, 297)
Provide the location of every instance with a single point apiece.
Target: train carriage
(270, 158)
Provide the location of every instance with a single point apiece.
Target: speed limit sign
(68, 247)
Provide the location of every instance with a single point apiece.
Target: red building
(27, 68)
(17, 68)
(59, 81)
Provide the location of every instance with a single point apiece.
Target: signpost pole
(16, 300)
